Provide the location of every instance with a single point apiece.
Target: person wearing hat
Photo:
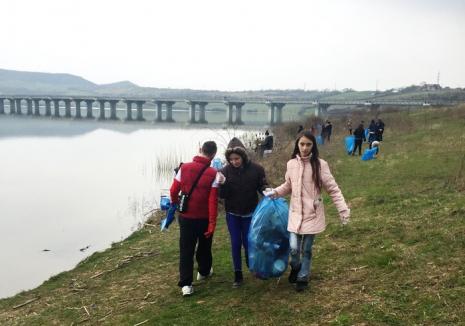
(240, 182)
(267, 144)
(375, 144)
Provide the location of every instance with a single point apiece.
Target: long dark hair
(314, 161)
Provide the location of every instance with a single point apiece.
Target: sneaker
(200, 277)
(293, 274)
(238, 279)
(301, 285)
(187, 290)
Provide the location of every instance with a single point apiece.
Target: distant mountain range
(24, 82)
(14, 82)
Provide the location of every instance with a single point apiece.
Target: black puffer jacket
(240, 191)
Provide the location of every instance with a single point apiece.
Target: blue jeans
(238, 228)
(301, 243)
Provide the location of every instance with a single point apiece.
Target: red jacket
(203, 202)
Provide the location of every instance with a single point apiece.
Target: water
(67, 186)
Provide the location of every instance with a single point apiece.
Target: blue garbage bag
(269, 239)
(165, 223)
(369, 154)
(216, 164)
(165, 203)
(319, 140)
(367, 133)
(350, 144)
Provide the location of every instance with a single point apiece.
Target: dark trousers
(238, 228)
(192, 234)
(358, 143)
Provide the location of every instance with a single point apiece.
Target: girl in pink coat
(306, 176)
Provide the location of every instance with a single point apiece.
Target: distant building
(430, 87)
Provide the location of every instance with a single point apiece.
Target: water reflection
(62, 194)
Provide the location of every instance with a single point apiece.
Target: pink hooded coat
(306, 211)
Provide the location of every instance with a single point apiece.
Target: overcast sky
(239, 44)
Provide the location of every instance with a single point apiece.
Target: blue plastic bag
(319, 140)
(216, 164)
(165, 223)
(269, 239)
(367, 133)
(350, 144)
(369, 154)
(165, 203)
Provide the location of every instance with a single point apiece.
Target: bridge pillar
(29, 106)
(271, 113)
(128, 110)
(322, 110)
(102, 110)
(67, 108)
(279, 112)
(89, 104)
(113, 115)
(169, 111)
(12, 106)
(202, 106)
(275, 114)
(18, 106)
(48, 107)
(2, 106)
(56, 108)
(159, 117)
(239, 106)
(229, 112)
(191, 111)
(36, 107)
(140, 114)
(78, 109)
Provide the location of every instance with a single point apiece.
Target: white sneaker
(187, 290)
(200, 277)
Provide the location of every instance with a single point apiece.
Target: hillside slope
(399, 262)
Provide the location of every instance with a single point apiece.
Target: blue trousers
(238, 228)
(301, 244)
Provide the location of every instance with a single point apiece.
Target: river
(70, 188)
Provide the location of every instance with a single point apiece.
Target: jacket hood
(235, 146)
(235, 142)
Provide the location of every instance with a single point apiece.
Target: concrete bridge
(30, 105)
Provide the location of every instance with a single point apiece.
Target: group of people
(240, 183)
(324, 130)
(375, 134)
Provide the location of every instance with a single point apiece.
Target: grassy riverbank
(399, 262)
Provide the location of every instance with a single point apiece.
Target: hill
(22, 82)
(33, 83)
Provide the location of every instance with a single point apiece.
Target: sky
(240, 44)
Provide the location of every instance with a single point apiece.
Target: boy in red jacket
(197, 223)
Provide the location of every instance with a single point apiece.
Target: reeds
(165, 163)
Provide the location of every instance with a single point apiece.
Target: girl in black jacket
(242, 182)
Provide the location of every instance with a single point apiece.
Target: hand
(220, 178)
(210, 230)
(270, 192)
(345, 218)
